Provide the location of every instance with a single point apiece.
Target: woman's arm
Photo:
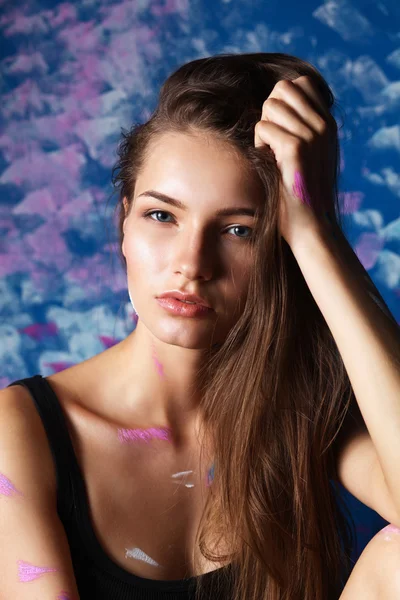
(368, 339)
(35, 560)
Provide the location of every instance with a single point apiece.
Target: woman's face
(191, 248)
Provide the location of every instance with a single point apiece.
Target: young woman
(203, 452)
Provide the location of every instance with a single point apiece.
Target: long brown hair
(276, 392)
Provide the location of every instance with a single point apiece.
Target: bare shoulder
(76, 382)
(24, 444)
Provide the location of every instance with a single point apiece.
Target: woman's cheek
(148, 252)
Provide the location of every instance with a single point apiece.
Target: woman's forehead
(191, 167)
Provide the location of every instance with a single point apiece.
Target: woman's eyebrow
(244, 210)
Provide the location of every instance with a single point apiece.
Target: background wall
(74, 73)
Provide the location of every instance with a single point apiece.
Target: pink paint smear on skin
(144, 435)
(386, 531)
(64, 596)
(159, 366)
(28, 572)
(299, 189)
(7, 488)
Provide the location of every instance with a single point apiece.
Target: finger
(308, 86)
(266, 132)
(280, 113)
(298, 99)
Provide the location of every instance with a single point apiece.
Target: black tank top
(97, 575)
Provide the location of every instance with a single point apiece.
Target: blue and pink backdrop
(74, 73)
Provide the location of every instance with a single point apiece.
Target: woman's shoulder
(25, 422)
(83, 392)
(78, 385)
(16, 400)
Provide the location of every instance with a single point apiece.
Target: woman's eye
(242, 227)
(149, 214)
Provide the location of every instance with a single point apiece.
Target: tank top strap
(71, 491)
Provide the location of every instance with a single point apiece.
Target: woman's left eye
(149, 214)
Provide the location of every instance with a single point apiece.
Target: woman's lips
(177, 307)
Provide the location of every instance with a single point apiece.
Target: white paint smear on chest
(182, 476)
(140, 555)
